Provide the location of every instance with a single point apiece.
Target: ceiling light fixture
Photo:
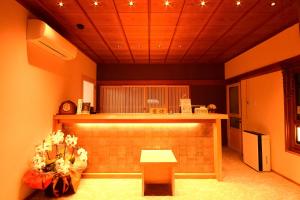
(60, 4)
(273, 3)
(202, 3)
(131, 3)
(96, 3)
(167, 3)
(80, 26)
(238, 3)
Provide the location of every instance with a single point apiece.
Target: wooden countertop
(140, 118)
(157, 156)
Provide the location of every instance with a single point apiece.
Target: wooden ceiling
(150, 32)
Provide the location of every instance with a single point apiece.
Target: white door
(234, 129)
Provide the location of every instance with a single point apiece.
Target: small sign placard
(185, 105)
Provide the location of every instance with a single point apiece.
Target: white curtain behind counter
(138, 99)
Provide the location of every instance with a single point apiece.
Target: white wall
(33, 83)
(263, 111)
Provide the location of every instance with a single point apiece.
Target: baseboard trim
(139, 175)
(195, 175)
(279, 174)
(111, 175)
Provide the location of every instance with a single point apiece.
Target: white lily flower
(83, 157)
(38, 162)
(58, 137)
(74, 142)
(79, 165)
(48, 142)
(81, 151)
(39, 166)
(59, 162)
(62, 166)
(64, 170)
(42, 161)
(68, 140)
(71, 140)
(49, 137)
(39, 149)
(37, 159)
(47, 146)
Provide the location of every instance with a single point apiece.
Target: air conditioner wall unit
(41, 34)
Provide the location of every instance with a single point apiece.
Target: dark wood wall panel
(160, 72)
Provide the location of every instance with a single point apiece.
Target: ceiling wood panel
(105, 19)
(150, 32)
(134, 19)
(162, 32)
(164, 19)
(192, 19)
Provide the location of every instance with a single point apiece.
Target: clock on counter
(67, 108)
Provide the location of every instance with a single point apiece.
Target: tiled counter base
(115, 148)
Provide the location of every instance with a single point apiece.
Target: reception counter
(114, 141)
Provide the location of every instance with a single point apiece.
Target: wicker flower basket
(57, 165)
(63, 184)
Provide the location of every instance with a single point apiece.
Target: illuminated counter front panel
(114, 141)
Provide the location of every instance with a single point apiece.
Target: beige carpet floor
(240, 183)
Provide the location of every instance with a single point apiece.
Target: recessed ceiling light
(167, 3)
(273, 3)
(80, 26)
(96, 3)
(238, 3)
(60, 4)
(203, 3)
(131, 3)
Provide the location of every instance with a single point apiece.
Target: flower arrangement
(57, 165)
(211, 108)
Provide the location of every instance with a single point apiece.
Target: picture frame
(185, 105)
(86, 106)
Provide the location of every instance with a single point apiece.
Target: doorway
(234, 128)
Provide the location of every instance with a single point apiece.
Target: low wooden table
(157, 168)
